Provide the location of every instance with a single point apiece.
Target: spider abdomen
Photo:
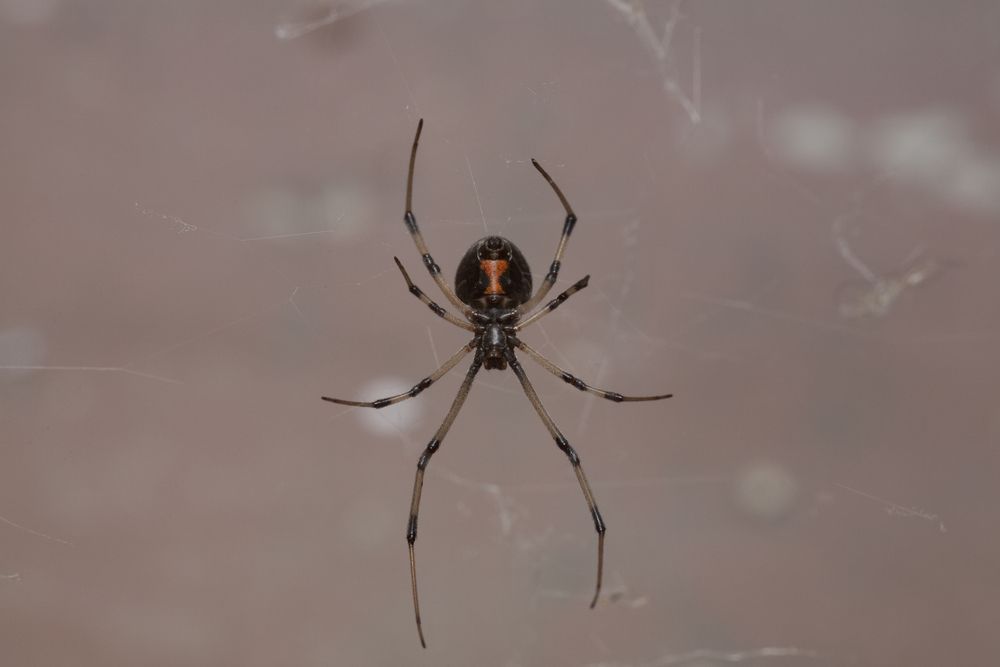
(493, 274)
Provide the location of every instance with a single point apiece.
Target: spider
(493, 293)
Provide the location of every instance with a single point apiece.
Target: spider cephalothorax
(493, 293)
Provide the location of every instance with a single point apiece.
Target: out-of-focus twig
(659, 48)
(875, 294)
(335, 11)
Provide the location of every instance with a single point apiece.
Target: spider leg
(550, 277)
(555, 303)
(418, 481)
(418, 239)
(577, 382)
(415, 389)
(436, 309)
(570, 453)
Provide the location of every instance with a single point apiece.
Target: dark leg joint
(411, 222)
(614, 396)
(420, 386)
(438, 310)
(425, 458)
(429, 263)
(381, 403)
(575, 381)
(553, 271)
(411, 529)
(567, 450)
(568, 225)
(598, 521)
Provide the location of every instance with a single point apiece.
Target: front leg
(568, 224)
(418, 239)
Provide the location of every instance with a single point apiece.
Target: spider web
(789, 219)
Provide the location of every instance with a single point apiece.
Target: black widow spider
(493, 293)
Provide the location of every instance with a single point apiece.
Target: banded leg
(418, 481)
(550, 277)
(416, 389)
(436, 309)
(580, 384)
(556, 302)
(570, 453)
(418, 239)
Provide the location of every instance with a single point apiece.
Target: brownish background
(197, 237)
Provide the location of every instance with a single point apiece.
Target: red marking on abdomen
(493, 268)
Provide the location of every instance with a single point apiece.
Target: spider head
(493, 274)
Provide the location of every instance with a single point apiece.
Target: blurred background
(789, 211)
